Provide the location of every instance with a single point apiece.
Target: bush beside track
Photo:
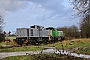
(1, 37)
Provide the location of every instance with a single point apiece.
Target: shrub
(2, 36)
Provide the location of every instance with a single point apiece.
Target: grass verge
(23, 48)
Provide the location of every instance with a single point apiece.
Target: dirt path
(7, 54)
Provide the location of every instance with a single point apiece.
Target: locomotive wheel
(27, 44)
(19, 42)
(45, 41)
(34, 42)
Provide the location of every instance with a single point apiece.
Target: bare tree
(85, 26)
(74, 31)
(1, 28)
(1, 23)
(81, 6)
(83, 9)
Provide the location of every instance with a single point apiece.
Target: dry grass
(83, 40)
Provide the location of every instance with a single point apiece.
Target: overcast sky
(24, 13)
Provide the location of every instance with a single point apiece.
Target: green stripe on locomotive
(54, 33)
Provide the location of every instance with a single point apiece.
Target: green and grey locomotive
(37, 35)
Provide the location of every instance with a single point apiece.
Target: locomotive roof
(50, 28)
(22, 28)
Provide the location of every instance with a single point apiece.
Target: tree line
(71, 31)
